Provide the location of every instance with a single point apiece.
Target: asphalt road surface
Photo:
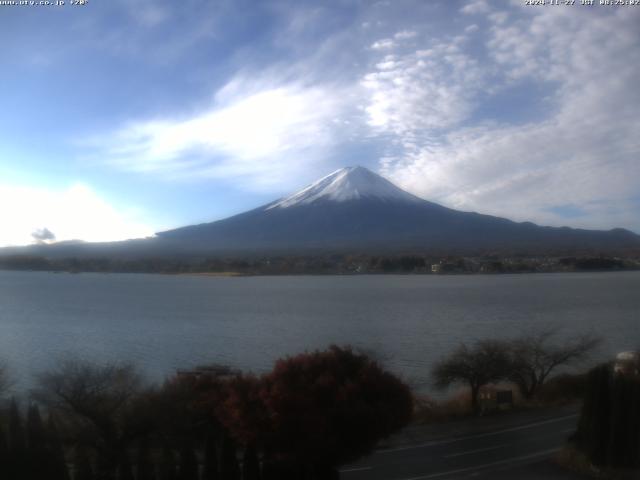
(507, 450)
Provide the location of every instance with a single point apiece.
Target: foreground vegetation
(606, 443)
(609, 427)
(311, 414)
(526, 362)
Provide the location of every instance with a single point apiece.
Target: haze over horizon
(124, 119)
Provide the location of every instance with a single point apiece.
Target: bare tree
(535, 356)
(100, 403)
(89, 389)
(477, 365)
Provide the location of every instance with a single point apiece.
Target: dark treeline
(609, 427)
(323, 264)
(30, 448)
(312, 413)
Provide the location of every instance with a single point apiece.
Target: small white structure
(627, 363)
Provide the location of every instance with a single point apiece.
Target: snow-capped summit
(356, 210)
(349, 183)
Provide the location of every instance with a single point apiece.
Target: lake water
(164, 322)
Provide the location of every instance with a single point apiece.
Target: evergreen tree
(16, 429)
(144, 467)
(4, 449)
(37, 451)
(36, 436)
(57, 463)
(124, 471)
(273, 470)
(188, 463)
(167, 465)
(16, 465)
(108, 458)
(229, 468)
(624, 433)
(82, 465)
(609, 426)
(250, 464)
(210, 459)
(593, 433)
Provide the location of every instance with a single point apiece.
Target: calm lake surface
(164, 322)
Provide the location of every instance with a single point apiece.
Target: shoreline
(235, 274)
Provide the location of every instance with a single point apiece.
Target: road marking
(355, 469)
(481, 435)
(485, 465)
(469, 452)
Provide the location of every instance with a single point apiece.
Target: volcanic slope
(355, 209)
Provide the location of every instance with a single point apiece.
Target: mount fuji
(351, 210)
(357, 210)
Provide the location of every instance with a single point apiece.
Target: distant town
(329, 264)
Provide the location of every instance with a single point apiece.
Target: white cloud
(524, 173)
(418, 96)
(428, 89)
(475, 7)
(74, 213)
(499, 17)
(405, 35)
(253, 135)
(583, 154)
(391, 43)
(150, 15)
(384, 44)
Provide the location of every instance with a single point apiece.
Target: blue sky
(120, 118)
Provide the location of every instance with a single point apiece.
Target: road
(519, 447)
